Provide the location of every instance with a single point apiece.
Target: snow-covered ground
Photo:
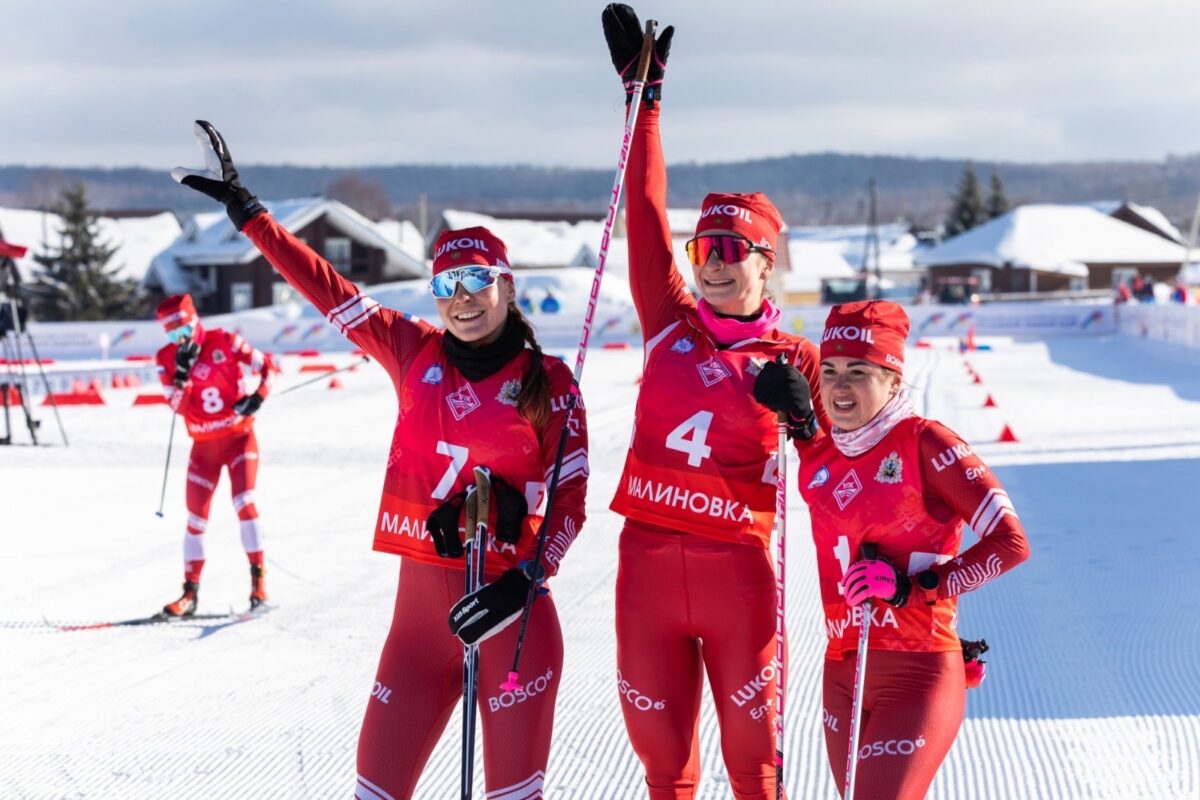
(1093, 689)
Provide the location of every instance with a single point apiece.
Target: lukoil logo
(850, 333)
(728, 209)
(465, 243)
(755, 685)
(636, 699)
(381, 692)
(522, 693)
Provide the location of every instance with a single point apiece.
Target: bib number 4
(690, 436)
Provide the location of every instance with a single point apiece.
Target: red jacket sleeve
(257, 360)
(967, 489)
(390, 337)
(659, 292)
(165, 359)
(566, 516)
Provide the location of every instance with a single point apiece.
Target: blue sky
(118, 82)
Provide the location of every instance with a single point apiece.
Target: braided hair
(533, 401)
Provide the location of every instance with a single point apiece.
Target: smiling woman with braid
(479, 393)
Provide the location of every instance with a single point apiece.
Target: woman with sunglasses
(696, 583)
(478, 393)
(201, 372)
(889, 492)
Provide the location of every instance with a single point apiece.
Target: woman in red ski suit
(696, 582)
(886, 477)
(479, 393)
(201, 373)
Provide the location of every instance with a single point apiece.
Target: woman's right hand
(219, 178)
(624, 34)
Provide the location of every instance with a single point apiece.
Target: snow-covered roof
(811, 262)
(1053, 238)
(403, 234)
(896, 244)
(1150, 214)
(136, 239)
(535, 243)
(211, 239)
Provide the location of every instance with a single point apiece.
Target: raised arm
(388, 336)
(659, 292)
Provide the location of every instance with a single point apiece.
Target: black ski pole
(323, 376)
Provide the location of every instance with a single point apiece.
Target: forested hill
(809, 189)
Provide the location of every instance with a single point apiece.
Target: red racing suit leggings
(419, 683)
(913, 706)
(239, 454)
(689, 605)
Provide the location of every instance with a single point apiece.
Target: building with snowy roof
(1042, 248)
(224, 272)
(136, 239)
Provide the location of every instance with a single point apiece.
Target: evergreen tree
(967, 211)
(74, 281)
(997, 204)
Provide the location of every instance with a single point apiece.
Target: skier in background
(479, 393)
(696, 582)
(201, 373)
(886, 476)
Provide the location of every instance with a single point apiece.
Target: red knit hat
(176, 310)
(750, 215)
(467, 246)
(871, 330)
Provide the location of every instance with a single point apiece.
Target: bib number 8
(689, 437)
(211, 401)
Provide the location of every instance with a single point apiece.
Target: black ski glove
(443, 526)
(219, 178)
(247, 405)
(185, 358)
(511, 510)
(782, 387)
(489, 610)
(624, 34)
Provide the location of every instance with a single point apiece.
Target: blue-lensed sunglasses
(176, 335)
(472, 278)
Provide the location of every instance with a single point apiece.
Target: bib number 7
(458, 458)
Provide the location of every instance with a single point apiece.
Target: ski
(228, 617)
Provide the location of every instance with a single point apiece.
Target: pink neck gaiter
(729, 331)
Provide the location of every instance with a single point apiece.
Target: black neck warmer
(740, 317)
(482, 361)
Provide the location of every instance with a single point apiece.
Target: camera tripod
(13, 319)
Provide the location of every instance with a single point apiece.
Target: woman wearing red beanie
(478, 393)
(900, 487)
(696, 583)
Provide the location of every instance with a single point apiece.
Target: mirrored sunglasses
(729, 248)
(180, 333)
(473, 279)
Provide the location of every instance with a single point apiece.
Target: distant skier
(479, 393)
(884, 475)
(201, 372)
(550, 303)
(695, 582)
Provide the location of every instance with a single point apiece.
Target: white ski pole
(860, 680)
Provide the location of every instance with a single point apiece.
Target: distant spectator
(1146, 295)
(1180, 295)
(524, 303)
(550, 303)
(1122, 294)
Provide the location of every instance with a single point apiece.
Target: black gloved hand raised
(511, 510)
(624, 34)
(219, 178)
(782, 387)
(490, 609)
(247, 405)
(185, 358)
(443, 526)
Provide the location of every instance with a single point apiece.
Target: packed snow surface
(1093, 689)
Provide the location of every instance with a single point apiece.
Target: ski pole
(781, 419)
(162, 497)
(323, 376)
(478, 503)
(860, 681)
(513, 681)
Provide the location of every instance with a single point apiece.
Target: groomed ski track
(1093, 689)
